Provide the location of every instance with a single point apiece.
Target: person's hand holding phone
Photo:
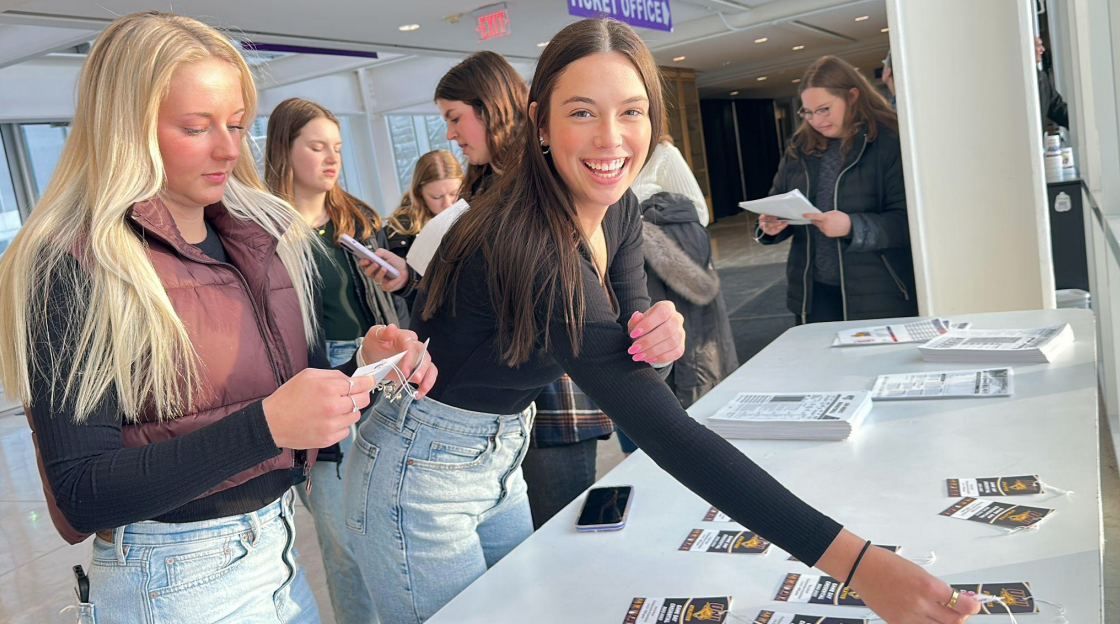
(380, 275)
(771, 225)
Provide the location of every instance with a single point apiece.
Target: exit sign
(493, 25)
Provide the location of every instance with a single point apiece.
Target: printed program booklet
(1009, 346)
(792, 416)
(817, 589)
(715, 515)
(918, 331)
(678, 610)
(960, 384)
(1017, 597)
(789, 206)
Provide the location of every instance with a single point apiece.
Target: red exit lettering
(493, 25)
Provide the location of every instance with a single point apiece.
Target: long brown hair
(349, 214)
(527, 228)
(865, 114)
(434, 166)
(498, 95)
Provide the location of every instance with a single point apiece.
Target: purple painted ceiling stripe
(277, 47)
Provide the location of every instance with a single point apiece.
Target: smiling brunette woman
(156, 318)
(539, 278)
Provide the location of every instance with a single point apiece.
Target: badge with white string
(737, 542)
(378, 370)
(817, 589)
(678, 610)
(995, 513)
(994, 486)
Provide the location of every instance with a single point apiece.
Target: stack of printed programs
(800, 416)
(918, 331)
(1011, 346)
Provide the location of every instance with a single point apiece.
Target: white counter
(887, 484)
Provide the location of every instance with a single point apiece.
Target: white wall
(972, 152)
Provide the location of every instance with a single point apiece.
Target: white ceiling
(716, 36)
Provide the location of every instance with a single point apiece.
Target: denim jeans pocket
(200, 563)
(356, 481)
(467, 454)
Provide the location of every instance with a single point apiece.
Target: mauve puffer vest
(245, 325)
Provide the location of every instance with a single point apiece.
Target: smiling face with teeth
(598, 128)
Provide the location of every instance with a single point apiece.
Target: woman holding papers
(436, 181)
(157, 308)
(853, 260)
(543, 276)
(303, 162)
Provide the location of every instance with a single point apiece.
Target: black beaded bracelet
(856, 564)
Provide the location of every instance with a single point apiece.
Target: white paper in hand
(427, 241)
(378, 370)
(789, 206)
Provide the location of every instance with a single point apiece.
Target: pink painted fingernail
(639, 357)
(637, 332)
(634, 349)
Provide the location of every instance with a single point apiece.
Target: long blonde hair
(128, 336)
(434, 166)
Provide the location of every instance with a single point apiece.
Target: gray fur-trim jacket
(679, 269)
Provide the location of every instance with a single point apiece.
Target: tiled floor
(35, 580)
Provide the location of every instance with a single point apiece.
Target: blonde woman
(436, 181)
(156, 313)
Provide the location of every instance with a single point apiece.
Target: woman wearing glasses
(853, 260)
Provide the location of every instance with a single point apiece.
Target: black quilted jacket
(877, 269)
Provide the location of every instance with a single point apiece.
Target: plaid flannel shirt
(565, 415)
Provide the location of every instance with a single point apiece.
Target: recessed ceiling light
(408, 27)
(761, 40)
(734, 93)
(885, 29)
(863, 18)
(725, 63)
(760, 78)
(856, 68)
(799, 47)
(795, 80)
(542, 44)
(678, 58)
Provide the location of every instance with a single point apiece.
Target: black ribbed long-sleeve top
(471, 376)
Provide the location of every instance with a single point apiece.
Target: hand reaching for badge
(383, 341)
(380, 275)
(658, 333)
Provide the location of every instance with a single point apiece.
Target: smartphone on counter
(605, 508)
(363, 252)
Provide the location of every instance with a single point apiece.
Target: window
(43, 145)
(9, 210)
(412, 137)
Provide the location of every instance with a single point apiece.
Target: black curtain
(723, 157)
(743, 170)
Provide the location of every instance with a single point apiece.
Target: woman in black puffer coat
(853, 260)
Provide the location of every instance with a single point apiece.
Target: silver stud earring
(544, 148)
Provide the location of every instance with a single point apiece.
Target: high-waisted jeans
(434, 496)
(234, 569)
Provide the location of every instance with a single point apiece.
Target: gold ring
(953, 601)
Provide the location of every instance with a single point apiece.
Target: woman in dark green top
(303, 159)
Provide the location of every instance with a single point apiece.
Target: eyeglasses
(821, 112)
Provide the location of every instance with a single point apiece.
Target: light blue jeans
(349, 597)
(235, 569)
(433, 497)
